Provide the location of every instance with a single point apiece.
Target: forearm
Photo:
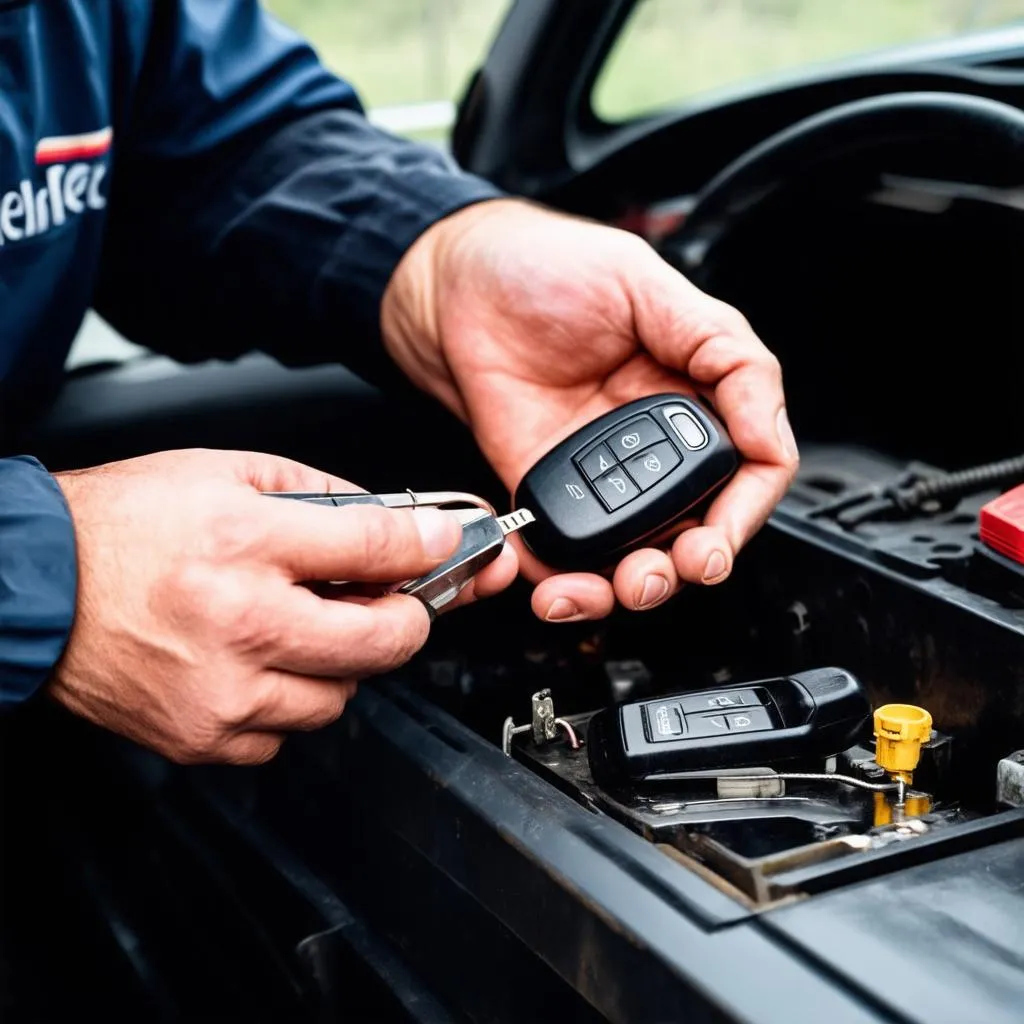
(38, 577)
(288, 247)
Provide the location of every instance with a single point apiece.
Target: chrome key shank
(483, 537)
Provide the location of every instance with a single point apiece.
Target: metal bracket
(543, 725)
(542, 718)
(1010, 780)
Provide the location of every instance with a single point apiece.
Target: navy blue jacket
(189, 169)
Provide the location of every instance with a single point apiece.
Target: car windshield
(672, 50)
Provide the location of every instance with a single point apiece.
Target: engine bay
(870, 565)
(873, 564)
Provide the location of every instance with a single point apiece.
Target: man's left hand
(528, 324)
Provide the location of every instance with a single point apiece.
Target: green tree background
(407, 51)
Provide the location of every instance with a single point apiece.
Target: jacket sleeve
(38, 577)
(253, 204)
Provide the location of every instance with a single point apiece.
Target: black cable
(964, 481)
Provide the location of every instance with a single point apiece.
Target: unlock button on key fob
(650, 466)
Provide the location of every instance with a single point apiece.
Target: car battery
(1001, 524)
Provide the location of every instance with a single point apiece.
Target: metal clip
(543, 724)
(543, 717)
(398, 499)
(436, 499)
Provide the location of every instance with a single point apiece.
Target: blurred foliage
(407, 51)
(398, 51)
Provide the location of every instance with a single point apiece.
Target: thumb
(359, 543)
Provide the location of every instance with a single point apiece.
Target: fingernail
(655, 589)
(785, 432)
(439, 531)
(715, 567)
(563, 610)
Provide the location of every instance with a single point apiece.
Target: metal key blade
(513, 521)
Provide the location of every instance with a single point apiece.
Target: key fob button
(616, 488)
(707, 725)
(690, 432)
(749, 720)
(652, 465)
(664, 722)
(573, 492)
(721, 700)
(634, 436)
(597, 461)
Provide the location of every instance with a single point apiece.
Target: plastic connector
(900, 729)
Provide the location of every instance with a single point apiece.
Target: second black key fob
(623, 479)
(807, 716)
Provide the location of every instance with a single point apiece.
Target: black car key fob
(623, 479)
(804, 717)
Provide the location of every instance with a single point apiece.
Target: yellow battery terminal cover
(900, 729)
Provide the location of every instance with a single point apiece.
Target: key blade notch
(516, 520)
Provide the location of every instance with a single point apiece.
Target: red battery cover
(1001, 524)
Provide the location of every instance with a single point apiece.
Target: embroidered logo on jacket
(71, 173)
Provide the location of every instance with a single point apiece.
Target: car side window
(672, 50)
(409, 60)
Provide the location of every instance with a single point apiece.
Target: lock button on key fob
(623, 479)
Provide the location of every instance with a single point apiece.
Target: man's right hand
(193, 633)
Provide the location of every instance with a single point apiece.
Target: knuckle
(238, 618)
(251, 751)
(189, 587)
(746, 390)
(225, 606)
(398, 637)
(382, 541)
(252, 629)
(770, 361)
(213, 728)
(411, 632)
(203, 746)
(227, 609)
(218, 596)
(729, 319)
(231, 533)
(633, 245)
(332, 710)
(266, 752)
(230, 711)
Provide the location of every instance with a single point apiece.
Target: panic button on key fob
(623, 479)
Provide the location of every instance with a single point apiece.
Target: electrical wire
(959, 483)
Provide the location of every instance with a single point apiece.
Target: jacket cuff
(357, 273)
(336, 203)
(38, 577)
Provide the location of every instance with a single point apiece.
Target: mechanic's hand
(529, 324)
(193, 634)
